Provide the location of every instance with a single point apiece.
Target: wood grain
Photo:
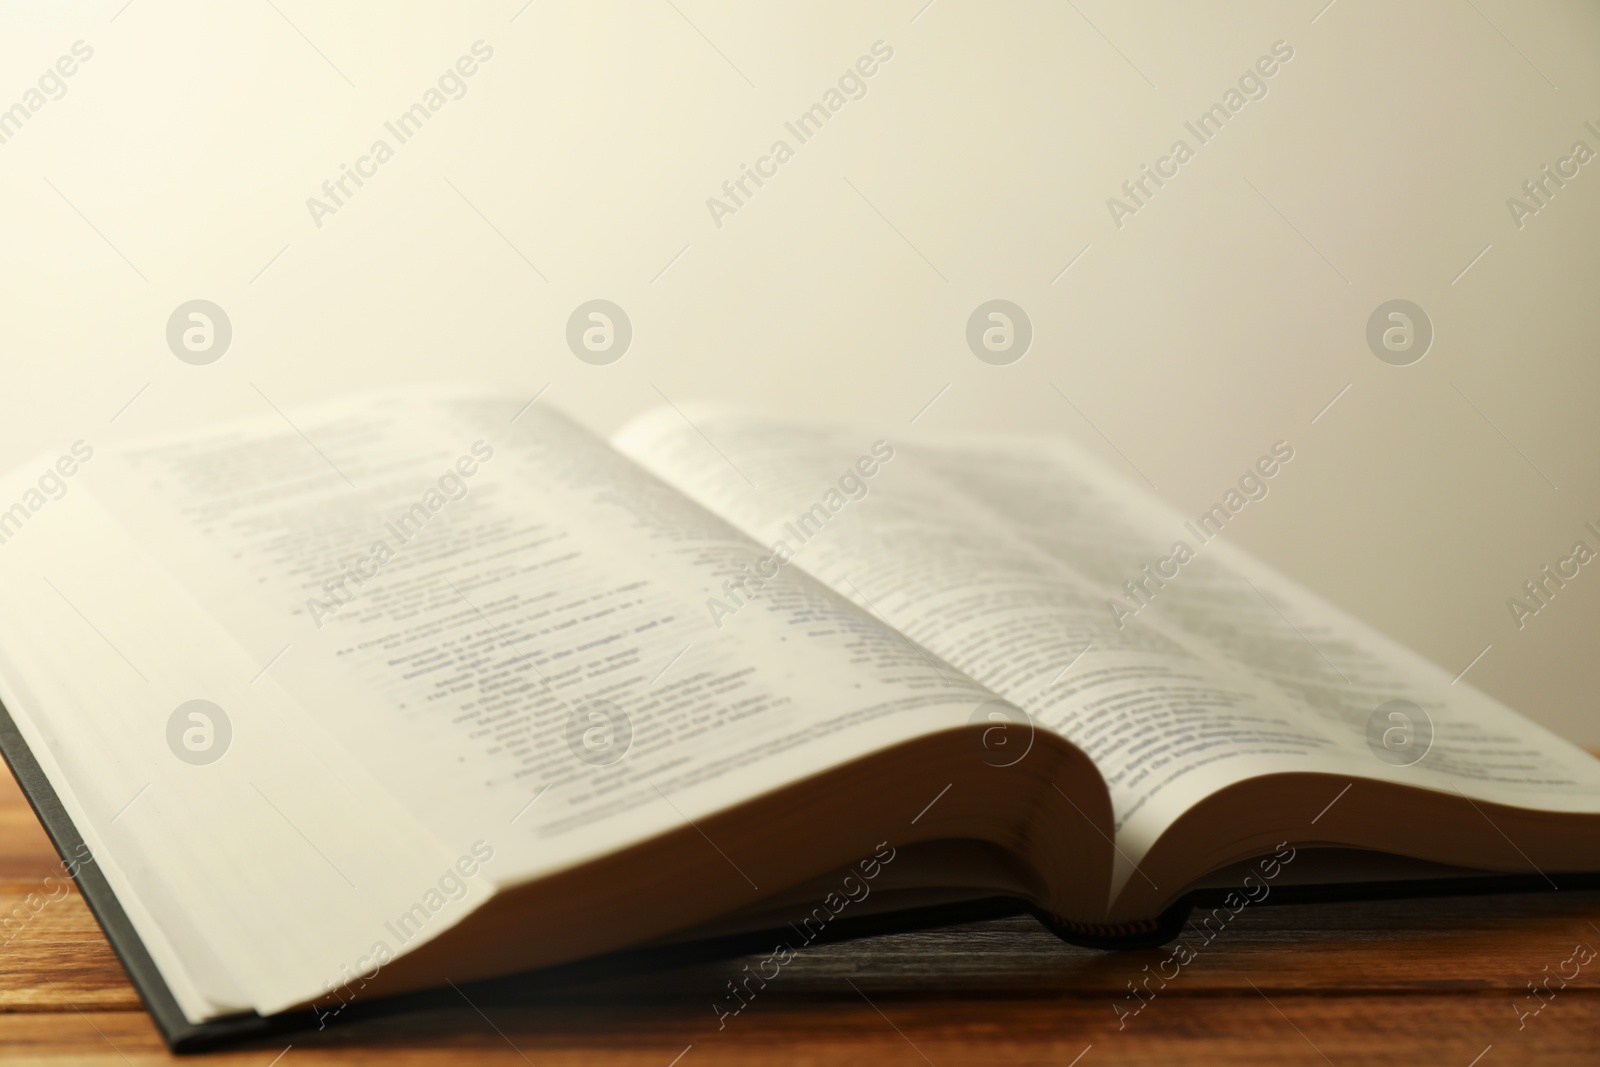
(1406, 982)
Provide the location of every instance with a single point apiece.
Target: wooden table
(1418, 982)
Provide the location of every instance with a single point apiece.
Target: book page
(503, 620)
(1030, 569)
(440, 627)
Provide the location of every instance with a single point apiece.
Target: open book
(413, 689)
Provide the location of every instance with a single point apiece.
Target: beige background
(1222, 317)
